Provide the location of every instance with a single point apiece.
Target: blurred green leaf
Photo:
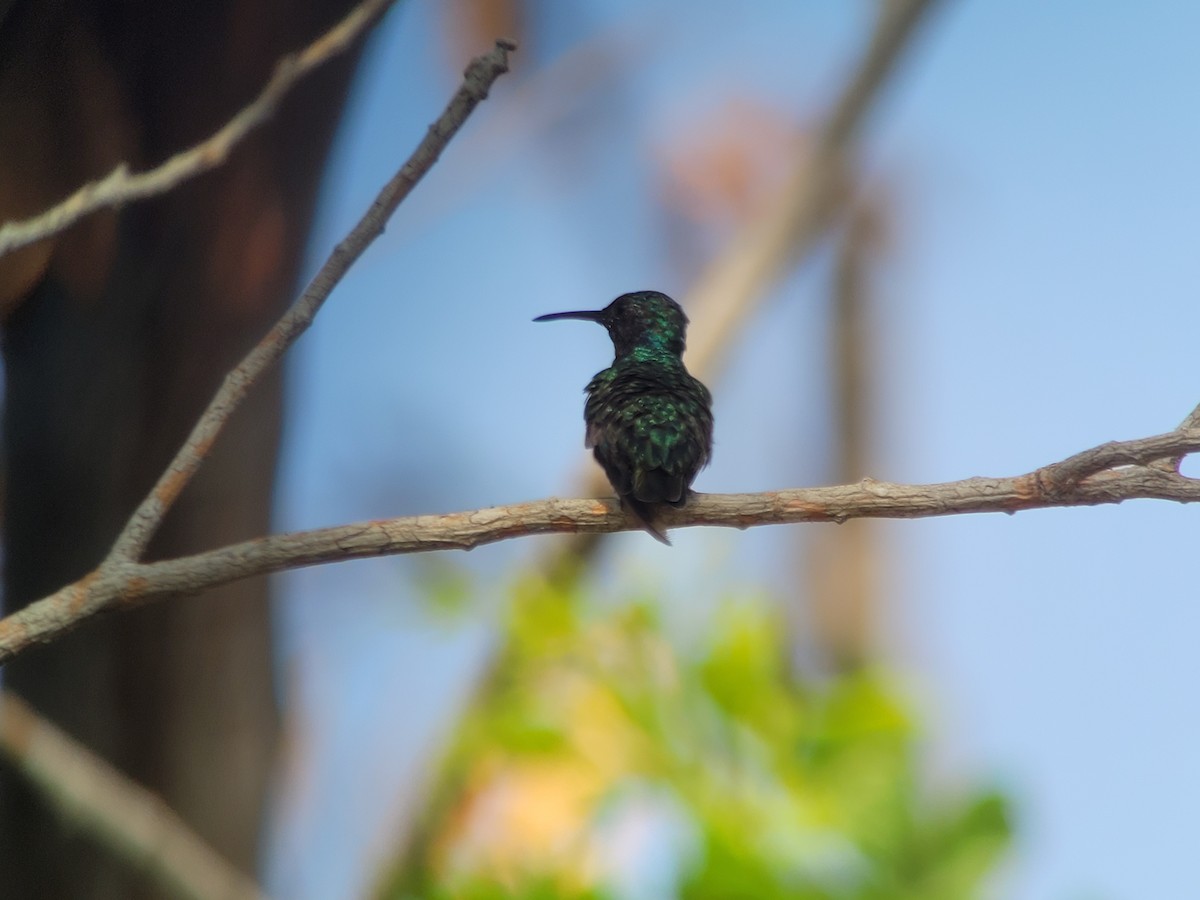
(783, 789)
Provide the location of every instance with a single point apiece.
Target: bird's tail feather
(644, 514)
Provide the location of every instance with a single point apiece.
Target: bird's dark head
(646, 319)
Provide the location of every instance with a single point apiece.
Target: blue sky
(1039, 298)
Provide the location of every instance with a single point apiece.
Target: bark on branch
(1110, 473)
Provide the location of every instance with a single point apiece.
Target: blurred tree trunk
(843, 565)
(116, 336)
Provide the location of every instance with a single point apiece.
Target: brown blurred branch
(122, 815)
(1110, 473)
(120, 187)
(842, 566)
(732, 288)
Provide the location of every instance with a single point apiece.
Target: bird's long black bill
(589, 315)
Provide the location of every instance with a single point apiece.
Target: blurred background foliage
(609, 759)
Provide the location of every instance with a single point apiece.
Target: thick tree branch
(135, 823)
(477, 81)
(1110, 473)
(120, 187)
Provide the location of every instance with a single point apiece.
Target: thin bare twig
(122, 815)
(477, 81)
(120, 186)
(125, 583)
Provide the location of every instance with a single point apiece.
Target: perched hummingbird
(649, 423)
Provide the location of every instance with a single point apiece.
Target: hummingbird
(649, 422)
